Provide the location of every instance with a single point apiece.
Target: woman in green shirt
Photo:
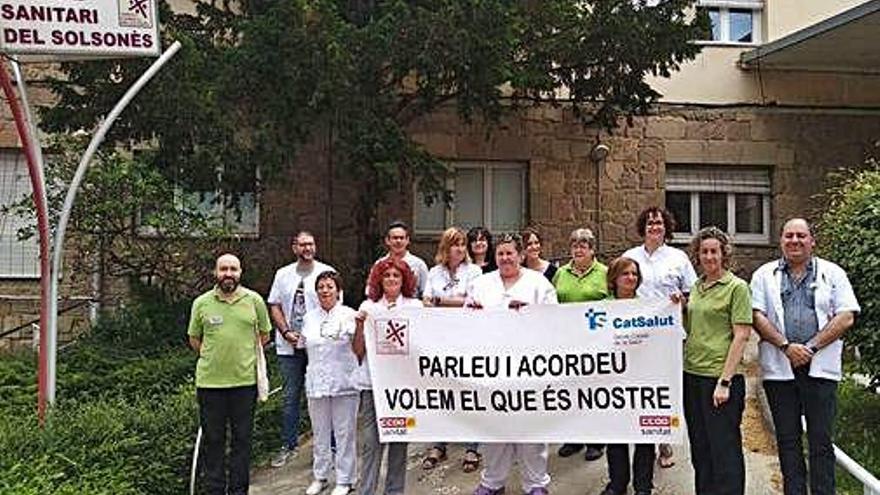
(581, 279)
(718, 324)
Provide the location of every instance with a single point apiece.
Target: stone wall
(566, 188)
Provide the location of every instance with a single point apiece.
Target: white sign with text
(79, 28)
(602, 372)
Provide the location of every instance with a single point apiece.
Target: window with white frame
(734, 199)
(488, 194)
(734, 22)
(18, 259)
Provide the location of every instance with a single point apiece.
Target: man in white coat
(802, 306)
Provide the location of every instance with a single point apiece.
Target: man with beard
(223, 327)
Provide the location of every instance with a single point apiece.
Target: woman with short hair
(718, 324)
(512, 286)
(665, 271)
(332, 396)
(580, 280)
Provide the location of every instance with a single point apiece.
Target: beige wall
(783, 17)
(714, 77)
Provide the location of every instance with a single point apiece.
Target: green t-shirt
(227, 357)
(591, 286)
(712, 310)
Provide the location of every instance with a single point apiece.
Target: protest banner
(602, 372)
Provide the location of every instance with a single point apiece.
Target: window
(734, 199)
(734, 22)
(18, 259)
(241, 217)
(491, 194)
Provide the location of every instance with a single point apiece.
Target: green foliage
(126, 414)
(849, 232)
(129, 216)
(257, 80)
(858, 414)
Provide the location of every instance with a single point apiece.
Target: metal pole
(58, 246)
(31, 151)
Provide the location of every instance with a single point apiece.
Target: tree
(849, 232)
(259, 78)
(130, 222)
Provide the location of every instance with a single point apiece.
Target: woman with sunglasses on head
(391, 285)
(448, 283)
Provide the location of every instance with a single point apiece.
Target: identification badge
(215, 320)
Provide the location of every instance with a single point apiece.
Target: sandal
(665, 459)
(432, 458)
(471, 461)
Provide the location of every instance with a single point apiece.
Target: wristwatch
(813, 349)
(724, 383)
(784, 346)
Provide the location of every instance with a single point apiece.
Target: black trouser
(219, 407)
(714, 434)
(642, 467)
(816, 399)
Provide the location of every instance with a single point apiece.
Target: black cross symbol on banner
(394, 332)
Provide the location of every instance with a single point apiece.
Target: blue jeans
(293, 374)
(816, 399)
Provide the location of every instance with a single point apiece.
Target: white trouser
(499, 458)
(335, 417)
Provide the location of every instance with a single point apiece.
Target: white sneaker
(283, 456)
(316, 487)
(341, 490)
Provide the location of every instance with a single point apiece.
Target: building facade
(744, 137)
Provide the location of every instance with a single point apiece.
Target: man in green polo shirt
(223, 327)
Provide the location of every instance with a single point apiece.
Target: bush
(856, 431)
(850, 233)
(126, 415)
(108, 446)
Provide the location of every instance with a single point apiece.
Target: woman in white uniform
(665, 271)
(448, 282)
(512, 286)
(333, 399)
(391, 285)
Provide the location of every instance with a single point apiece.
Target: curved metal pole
(38, 187)
(57, 249)
(38, 176)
